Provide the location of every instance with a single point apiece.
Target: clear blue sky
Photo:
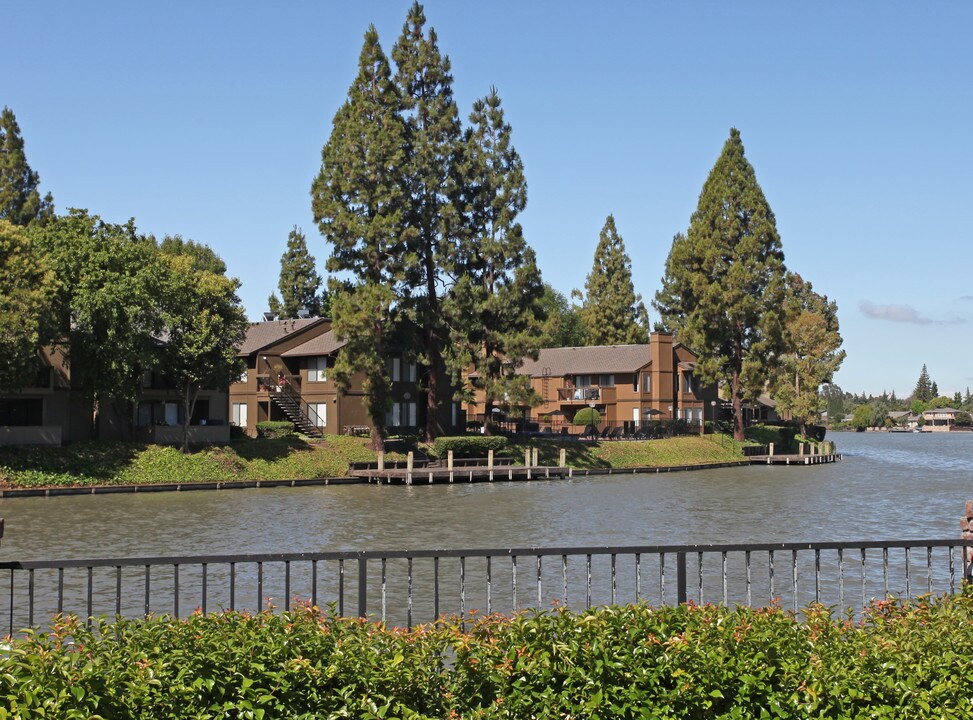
(207, 120)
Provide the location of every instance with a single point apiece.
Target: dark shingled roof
(321, 345)
(263, 334)
(605, 359)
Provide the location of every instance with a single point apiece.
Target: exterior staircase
(296, 409)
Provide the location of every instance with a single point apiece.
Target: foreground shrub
(466, 446)
(902, 661)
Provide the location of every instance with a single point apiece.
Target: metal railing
(406, 587)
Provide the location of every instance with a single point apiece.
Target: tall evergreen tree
(724, 282)
(495, 304)
(923, 391)
(432, 137)
(612, 312)
(359, 202)
(20, 200)
(299, 282)
(812, 353)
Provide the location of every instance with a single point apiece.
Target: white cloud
(893, 313)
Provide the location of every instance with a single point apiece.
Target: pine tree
(432, 138)
(923, 392)
(20, 200)
(359, 203)
(496, 302)
(299, 282)
(934, 390)
(724, 282)
(612, 312)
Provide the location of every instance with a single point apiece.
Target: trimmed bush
(275, 429)
(466, 446)
(587, 416)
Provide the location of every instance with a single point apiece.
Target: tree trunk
(378, 437)
(433, 353)
(738, 425)
(189, 405)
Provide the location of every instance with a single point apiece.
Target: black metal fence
(403, 588)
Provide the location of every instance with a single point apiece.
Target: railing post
(362, 587)
(681, 595)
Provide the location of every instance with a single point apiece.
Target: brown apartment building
(288, 378)
(625, 383)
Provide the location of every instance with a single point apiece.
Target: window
(646, 382)
(402, 371)
(318, 414)
(238, 415)
(317, 369)
(21, 412)
(143, 417)
(401, 415)
(687, 382)
(606, 381)
(172, 413)
(582, 381)
(146, 378)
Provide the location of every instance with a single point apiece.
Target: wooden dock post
(562, 460)
(489, 465)
(527, 457)
(534, 458)
(381, 460)
(449, 464)
(408, 468)
(771, 449)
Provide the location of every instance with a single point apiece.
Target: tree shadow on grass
(269, 449)
(98, 460)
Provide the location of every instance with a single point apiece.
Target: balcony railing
(579, 394)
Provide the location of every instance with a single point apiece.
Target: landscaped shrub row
(464, 446)
(903, 661)
(274, 428)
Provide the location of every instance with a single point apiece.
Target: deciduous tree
(203, 325)
(299, 283)
(724, 282)
(26, 287)
(359, 200)
(20, 200)
(494, 308)
(812, 350)
(203, 256)
(432, 132)
(563, 326)
(612, 312)
(106, 303)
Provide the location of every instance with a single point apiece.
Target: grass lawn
(106, 463)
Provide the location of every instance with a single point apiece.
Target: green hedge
(902, 661)
(469, 445)
(275, 428)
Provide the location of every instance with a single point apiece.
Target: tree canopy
(20, 200)
(563, 326)
(612, 311)
(494, 308)
(812, 352)
(26, 287)
(724, 281)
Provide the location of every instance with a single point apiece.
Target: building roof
(603, 359)
(262, 334)
(320, 345)
(944, 411)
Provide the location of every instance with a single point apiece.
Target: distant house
(289, 377)
(627, 384)
(939, 419)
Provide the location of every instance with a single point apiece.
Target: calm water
(889, 486)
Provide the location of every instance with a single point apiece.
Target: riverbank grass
(292, 458)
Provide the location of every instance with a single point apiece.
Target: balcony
(586, 394)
